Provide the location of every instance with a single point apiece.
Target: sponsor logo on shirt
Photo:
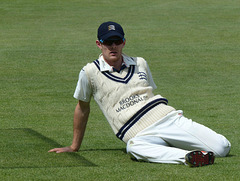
(129, 101)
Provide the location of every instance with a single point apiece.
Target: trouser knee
(224, 149)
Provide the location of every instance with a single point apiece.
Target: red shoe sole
(198, 159)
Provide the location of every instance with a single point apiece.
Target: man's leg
(170, 139)
(188, 135)
(154, 149)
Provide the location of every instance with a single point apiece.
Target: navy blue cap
(109, 29)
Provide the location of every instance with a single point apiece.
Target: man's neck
(116, 64)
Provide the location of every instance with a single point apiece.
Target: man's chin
(114, 58)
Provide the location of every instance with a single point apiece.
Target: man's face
(111, 49)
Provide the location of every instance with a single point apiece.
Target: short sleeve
(150, 78)
(83, 89)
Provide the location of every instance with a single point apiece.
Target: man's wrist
(74, 148)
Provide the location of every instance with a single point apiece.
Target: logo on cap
(111, 27)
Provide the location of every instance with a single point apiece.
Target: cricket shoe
(199, 158)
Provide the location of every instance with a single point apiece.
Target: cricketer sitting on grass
(152, 130)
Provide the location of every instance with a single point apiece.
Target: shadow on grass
(26, 148)
(117, 149)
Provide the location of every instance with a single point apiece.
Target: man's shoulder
(90, 68)
(93, 64)
(140, 61)
(134, 59)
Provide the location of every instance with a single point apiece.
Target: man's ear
(124, 42)
(98, 44)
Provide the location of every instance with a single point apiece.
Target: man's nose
(113, 44)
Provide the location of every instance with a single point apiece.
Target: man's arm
(81, 113)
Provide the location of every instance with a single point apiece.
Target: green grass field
(192, 48)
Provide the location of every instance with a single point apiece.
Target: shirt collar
(104, 66)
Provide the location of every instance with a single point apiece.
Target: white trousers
(171, 138)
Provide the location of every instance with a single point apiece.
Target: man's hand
(62, 150)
